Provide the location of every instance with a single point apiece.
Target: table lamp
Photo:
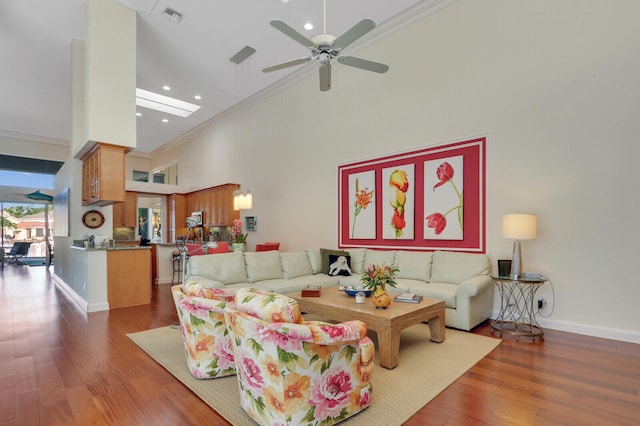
(518, 227)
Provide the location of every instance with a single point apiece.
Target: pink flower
(330, 393)
(437, 221)
(251, 374)
(445, 173)
(289, 341)
(365, 399)
(224, 352)
(193, 309)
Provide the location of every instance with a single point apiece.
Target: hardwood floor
(60, 365)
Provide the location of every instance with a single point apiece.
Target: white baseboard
(624, 335)
(77, 299)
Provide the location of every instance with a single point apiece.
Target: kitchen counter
(112, 248)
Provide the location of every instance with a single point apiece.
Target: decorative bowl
(353, 291)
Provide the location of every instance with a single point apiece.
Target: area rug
(425, 369)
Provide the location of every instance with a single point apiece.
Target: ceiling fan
(325, 47)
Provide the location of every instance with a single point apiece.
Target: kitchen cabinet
(125, 213)
(103, 174)
(216, 203)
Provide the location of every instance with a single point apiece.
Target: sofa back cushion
(450, 267)
(413, 265)
(295, 264)
(357, 259)
(315, 259)
(228, 268)
(378, 257)
(267, 306)
(264, 265)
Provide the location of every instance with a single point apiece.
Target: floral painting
(363, 207)
(443, 198)
(398, 214)
(428, 198)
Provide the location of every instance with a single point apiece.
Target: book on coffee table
(408, 297)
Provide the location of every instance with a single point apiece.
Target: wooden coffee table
(387, 323)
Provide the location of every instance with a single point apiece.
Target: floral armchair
(207, 342)
(296, 372)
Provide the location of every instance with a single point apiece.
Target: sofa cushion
(295, 264)
(316, 260)
(357, 259)
(268, 306)
(263, 265)
(228, 268)
(378, 257)
(413, 265)
(433, 290)
(339, 265)
(451, 267)
(324, 254)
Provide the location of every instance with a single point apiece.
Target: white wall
(554, 86)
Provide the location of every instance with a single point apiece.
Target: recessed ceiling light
(166, 88)
(163, 103)
(164, 120)
(198, 97)
(308, 26)
(139, 114)
(285, 1)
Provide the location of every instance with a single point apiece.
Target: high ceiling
(191, 56)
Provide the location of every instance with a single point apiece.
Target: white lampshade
(519, 226)
(248, 201)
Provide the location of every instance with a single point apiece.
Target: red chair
(267, 246)
(223, 247)
(194, 249)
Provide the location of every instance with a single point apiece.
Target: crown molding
(4, 134)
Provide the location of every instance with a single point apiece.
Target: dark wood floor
(59, 365)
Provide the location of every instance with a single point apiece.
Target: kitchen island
(128, 273)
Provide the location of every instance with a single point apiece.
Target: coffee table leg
(388, 347)
(436, 326)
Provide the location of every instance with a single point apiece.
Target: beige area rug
(425, 369)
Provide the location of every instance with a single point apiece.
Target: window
(140, 176)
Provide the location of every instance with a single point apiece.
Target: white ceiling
(191, 56)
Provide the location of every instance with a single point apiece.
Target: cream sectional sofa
(460, 279)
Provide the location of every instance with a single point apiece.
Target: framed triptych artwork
(431, 198)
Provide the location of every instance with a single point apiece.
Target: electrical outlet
(541, 303)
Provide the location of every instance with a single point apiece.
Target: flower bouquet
(378, 277)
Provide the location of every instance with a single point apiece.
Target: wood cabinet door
(118, 214)
(130, 212)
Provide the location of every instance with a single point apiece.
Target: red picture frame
(406, 213)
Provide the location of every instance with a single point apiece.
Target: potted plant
(238, 239)
(377, 278)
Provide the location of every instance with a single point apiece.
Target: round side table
(517, 311)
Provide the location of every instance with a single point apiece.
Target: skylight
(163, 103)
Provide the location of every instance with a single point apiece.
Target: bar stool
(177, 267)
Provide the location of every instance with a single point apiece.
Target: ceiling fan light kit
(325, 47)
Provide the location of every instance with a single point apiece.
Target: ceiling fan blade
(290, 32)
(325, 77)
(353, 33)
(352, 61)
(287, 64)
